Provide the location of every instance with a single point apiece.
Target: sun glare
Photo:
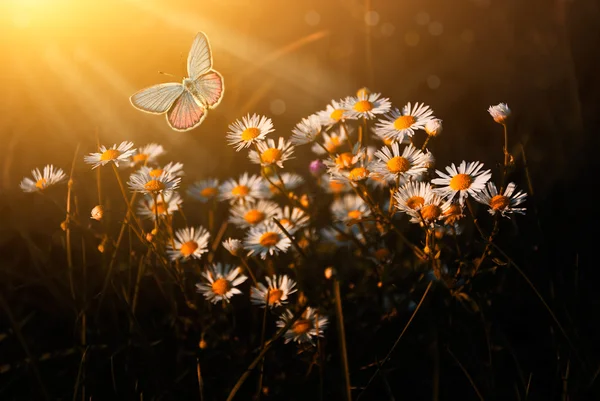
(32, 13)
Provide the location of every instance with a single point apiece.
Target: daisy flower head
(190, 242)
(332, 143)
(289, 181)
(270, 153)
(49, 176)
(391, 164)
(234, 246)
(333, 113)
(433, 127)
(499, 112)
(453, 214)
(115, 154)
(410, 197)
(148, 181)
(250, 214)
(220, 282)
(204, 190)
(502, 203)
(333, 186)
(266, 239)
(366, 105)
(247, 188)
(349, 207)
(399, 124)
(310, 324)
(170, 168)
(248, 131)
(345, 162)
(147, 154)
(97, 213)
(307, 130)
(276, 294)
(293, 219)
(464, 180)
(352, 168)
(165, 205)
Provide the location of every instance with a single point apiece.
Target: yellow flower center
(354, 214)
(336, 186)
(344, 160)
(453, 210)
(415, 202)
(157, 172)
(286, 222)
(41, 183)
(301, 326)
(154, 186)
(209, 192)
(382, 254)
(431, 212)
(110, 154)
(388, 141)
(398, 164)
(221, 286)
(254, 216)
(140, 157)
(363, 106)
(404, 122)
(269, 239)
(274, 296)
(333, 144)
(499, 202)
(160, 208)
(250, 133)
(187, 248)
(240, 191)
(358, 173)
(271, 155)
(460, 182)
(337, 114)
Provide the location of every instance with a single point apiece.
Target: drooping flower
(499, 112)
(307, 130)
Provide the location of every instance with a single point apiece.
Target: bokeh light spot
(412, 38)
(312, 18)
(433, 81)
(277, 107)
(371, 18)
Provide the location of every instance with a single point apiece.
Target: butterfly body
(185, 104)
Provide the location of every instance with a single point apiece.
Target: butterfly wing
(157, 99)
(209, 88)
(200, 57)
(185, 113)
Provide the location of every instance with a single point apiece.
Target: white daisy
(147, 154)
(148, 181)
(250, 214)
(433, 127)
(190, 242)
(332, 142)
(289, 181)
(453, 214)
(234, 246)
(306, 130)
(266, 239)
(165, 205)
(276, 294)
(42, 179)
(348, 208)
(465, 179)
(220, 283)
(344, 162)
(502, 203)
(354, 169)
(293, 219)
(204, 190)
(392, 165)
(499, 112)
(402, 123)
(334, 186)
(246, 189)
(271, 153)
(170, 168)
(366, 105)
(249, 130)
(310, 324)
(120, 154)
(333, 113)
(410, 197)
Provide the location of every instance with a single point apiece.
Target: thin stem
(425, 144)
(262, 344)
(68, 223)
(506, 158)
(460, 365)
(342, 337)
(249, 270)
(262, 353)
(292, 239)
(389, 354)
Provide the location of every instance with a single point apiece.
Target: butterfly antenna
(166, 73)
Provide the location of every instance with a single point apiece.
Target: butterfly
(185, 103)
